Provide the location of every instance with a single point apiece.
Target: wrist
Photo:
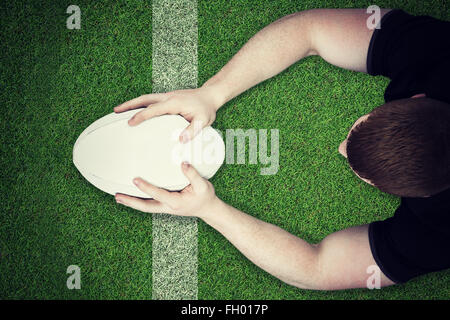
(211, 209)
(215, 94)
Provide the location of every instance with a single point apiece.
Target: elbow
(306, 24)
(310, 275)
(316, 283)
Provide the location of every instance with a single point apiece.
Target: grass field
(55, 82)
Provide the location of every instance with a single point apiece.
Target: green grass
(55, 82)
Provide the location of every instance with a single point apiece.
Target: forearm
(267, 53)
(274, 250)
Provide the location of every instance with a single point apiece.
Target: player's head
(402, 147)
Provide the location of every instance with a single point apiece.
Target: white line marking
(174, 63)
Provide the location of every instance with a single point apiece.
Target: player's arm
(340, 36)
(340, 261)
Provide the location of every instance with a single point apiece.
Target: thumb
(192, 174)
(191, 131)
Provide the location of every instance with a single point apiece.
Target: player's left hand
(194, 200)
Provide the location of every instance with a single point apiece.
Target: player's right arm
(340, 36)
(342, 260)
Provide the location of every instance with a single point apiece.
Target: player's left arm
(342, 260)
(339, 261)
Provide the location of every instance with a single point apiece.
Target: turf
(55, 82)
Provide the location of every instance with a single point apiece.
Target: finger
(162, 195)
(149, 112)
(192, 174)
(141, 101)
(191, 131)
(152, 206)
(132, 202)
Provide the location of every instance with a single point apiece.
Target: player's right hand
(198, 106)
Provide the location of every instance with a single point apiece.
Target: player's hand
(198, 106)
(196, 199)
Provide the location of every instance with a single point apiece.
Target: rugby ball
(110, 153)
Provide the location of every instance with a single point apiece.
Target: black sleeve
(414, 52)
(415, 241)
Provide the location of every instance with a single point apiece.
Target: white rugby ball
(110, 153)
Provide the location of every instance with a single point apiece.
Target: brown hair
(403, 147)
